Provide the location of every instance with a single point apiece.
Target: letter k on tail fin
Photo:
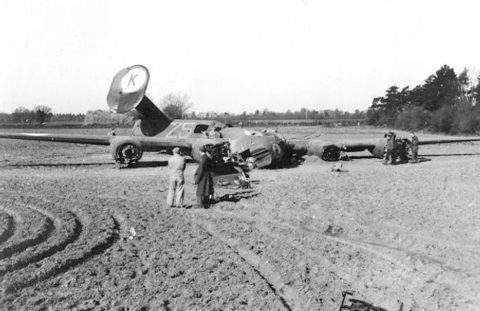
(127, 95)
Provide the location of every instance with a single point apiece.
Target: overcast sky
(230, 56)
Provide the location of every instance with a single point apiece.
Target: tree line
(178, 106)
(445, 102)
(39, 114)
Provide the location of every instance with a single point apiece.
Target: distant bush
(467, 120)
(102, 117)
(443, 120)
(413, 118)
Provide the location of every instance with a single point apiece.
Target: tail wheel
(331, 153)
(128, 153)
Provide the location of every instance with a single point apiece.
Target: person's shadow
(419, 160)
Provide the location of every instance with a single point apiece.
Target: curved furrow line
(7, 226)
(66, 232)
(285, 293)
(94, 240)
(36, 228)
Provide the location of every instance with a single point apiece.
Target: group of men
(203, 179)
(397, 149)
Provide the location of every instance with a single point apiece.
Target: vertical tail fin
(127, 95)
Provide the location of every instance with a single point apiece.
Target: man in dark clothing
(203, 179)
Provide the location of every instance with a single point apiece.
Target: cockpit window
(200, 128)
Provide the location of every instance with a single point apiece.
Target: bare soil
(406, 233)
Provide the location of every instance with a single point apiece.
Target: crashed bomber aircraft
(154, 131)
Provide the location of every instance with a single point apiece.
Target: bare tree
(42, 113)
(176, 105)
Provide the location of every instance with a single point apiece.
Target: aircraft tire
(126, 152)
(331, 153)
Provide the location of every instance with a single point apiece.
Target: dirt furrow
(324, 234)
(74, 256)
(401, 265)
(67, 230)
(36, 228)
(285, 293)
(7, 226)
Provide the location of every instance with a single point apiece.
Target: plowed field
(300, 236)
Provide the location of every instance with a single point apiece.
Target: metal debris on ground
(132, 233)
(338, 167)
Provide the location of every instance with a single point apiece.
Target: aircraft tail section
(127, 95)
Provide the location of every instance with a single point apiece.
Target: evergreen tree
(440, 89)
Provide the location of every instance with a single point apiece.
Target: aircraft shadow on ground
(59, 164)
(420, 159)
(423, 158)
(354, 157)
(293, 164)
(150, 164)
(138, 165)
(451, 155)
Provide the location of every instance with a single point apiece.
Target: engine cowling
(331, 153)
(327, 152)
(379, 149)
(126, 151)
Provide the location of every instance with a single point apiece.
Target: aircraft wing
(158, 143)
(324, 148)
(61, 138)
(447, 141)
(147, 143)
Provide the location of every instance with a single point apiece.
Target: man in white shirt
(176, 182)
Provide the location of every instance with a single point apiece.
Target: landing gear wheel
(331, 153)
(127, 154)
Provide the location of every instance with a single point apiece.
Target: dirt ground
(300, 236)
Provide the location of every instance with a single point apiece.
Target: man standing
(176, 183)
(203, 179)
(388, 157)
(414, 147)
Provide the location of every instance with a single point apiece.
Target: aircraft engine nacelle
(126, 150)
(400, 150)
(378, 150)
(327, 152)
